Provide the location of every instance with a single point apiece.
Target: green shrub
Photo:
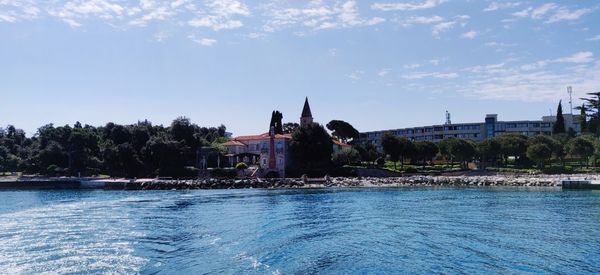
(411, 170)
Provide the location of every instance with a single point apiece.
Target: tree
(407, 149)
(581, 147)
(368, 152)
(583, 118)
(539, 153)
(553, 144)
(488, 149)
(290, 127)
(346, 156)
(391, 147)
(457, 149)
(512, 145)
(591, 107)
(276, 118)
(425, 151)
(559, 125)
(343, 130)
(242, 167)
(311, 146)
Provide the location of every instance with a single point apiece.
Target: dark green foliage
(458, 149)
(581, 147)
(488, 150)
(241, 166)
(425, 151)
(411, 170)
(342, 130)
(346, 156)
(591, 110)
(391, 147)
(512, 145)
(276, 123)
(539, 152)
(583, 118)
(138, 150)
(311, 146)
(559, 125)
(290, 127)
(368, 152)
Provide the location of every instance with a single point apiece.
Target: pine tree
(559, 125)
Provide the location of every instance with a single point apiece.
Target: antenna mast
(570, 91)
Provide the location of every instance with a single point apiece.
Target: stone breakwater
(464, 181)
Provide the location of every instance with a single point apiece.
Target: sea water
(326, 231)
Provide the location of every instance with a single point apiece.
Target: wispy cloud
(494, 6)
(441, 75)
(398, 6)
(532, 81)
(469, 35)
(442, 27)
(356, 75)
(384, 72)
(552, 13)
(580, 57)
(595, 38)
(203, 40)
(318, 15)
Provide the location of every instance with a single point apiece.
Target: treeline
(136, 150)
(497, 151)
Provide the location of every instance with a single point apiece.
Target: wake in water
(74, 237)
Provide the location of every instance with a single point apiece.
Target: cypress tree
(583, 119)
(559, 125)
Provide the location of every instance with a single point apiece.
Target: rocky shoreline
(426, 181)
(327, 182)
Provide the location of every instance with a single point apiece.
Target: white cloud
(595, 38)
(552, 13)
(203, 40)
(412, 66)
(501, 5)
(440, 75)
(470, 34)
(383, 72)
(442, 27)
(222, 15)
(539, 12)
(534, 81)
(356, 75)
(580, 57)
(427, 4)
(333, 51)
(318, 15)
(566, 15)
(73, 11)
(413, 20)
(12, 11)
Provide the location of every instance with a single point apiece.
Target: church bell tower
(306, 117)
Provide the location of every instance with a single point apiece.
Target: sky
(379, 64)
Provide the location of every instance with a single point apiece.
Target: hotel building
(477, 131)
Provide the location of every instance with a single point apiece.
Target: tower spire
(306, 117)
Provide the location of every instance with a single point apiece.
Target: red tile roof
(233, 142)
(261, 136)
(337, 142)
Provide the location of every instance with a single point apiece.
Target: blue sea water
(325, 231)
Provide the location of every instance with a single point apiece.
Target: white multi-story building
(477, 131)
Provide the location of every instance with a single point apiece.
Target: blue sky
(377, 64)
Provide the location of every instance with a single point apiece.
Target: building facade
(477, 131)
(269, 151)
